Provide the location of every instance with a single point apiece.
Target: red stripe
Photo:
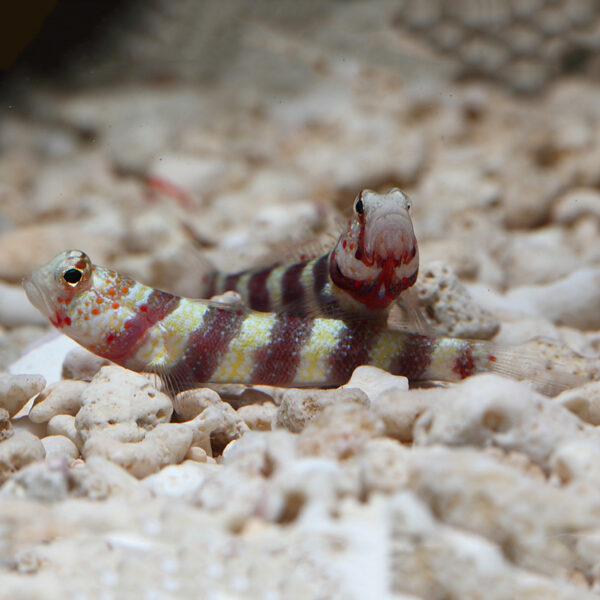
(210, 284)
(258, 294)
(352, 350)
(415, 357)
(465, 364)
(292, 290)
(277, 362)
(207, 345)
(231, 282)
(320, 274)
(328, 305)
(124, 344)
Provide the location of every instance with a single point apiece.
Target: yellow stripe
(241, 287)
(307, 280)
(443, 358)
(167, 340)
(314, 357)
(273, 285)
(387, 344)
(238, 362)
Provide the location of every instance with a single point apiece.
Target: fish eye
(359, 207)
(72, 276)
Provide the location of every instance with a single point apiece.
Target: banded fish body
(194, 341)
(375, 259)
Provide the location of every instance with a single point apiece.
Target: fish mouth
(35, 296)
(390, 236)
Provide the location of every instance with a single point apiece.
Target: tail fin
(549, 366)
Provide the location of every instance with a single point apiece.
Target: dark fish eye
(359, 207)
(72, 276)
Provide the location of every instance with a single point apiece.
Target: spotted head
(95, 306)
(377, 257)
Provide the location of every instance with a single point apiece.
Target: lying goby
(189, 342)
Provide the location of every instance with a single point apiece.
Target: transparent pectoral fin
(406, 314)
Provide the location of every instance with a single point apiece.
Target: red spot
(67, 320)
(59, 299)
(143, 308)
(95, 311)
(491, 358)
(99, 300)
(68, 301)
(351, 246)
(344, 243)
(109, 338)
(115, 305)
(127, 325)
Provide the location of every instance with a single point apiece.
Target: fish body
(375, 259)
(194, 341)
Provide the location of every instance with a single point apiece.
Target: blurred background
(166, 136)
(162, 137)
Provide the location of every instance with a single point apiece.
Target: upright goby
(375, 259)
(189, 342)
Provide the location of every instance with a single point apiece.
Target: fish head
(379, 249)
(52, 287)
(84, 301)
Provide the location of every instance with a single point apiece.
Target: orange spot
(115, 305)
(351, 246)
(107, 281)
(79, 311)
(80, 264)
(67, 320)
(68, 301)
(95, 311)
(143, 308)
(99, 300)
(85, 317)
(59, 299)
(124, 290)
(111, 292)
(127, 324)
